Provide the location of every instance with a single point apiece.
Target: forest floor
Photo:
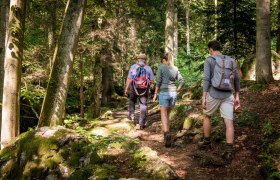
(262, 101)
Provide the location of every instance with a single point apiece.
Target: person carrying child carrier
(221, 88)
(139, 80)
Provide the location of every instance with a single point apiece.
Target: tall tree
(278, 29)
(4, 18)
(54, 101)
(175, 40)
(107, 83)
(12, 77)
(51, 25)
(82, 97)
(263, 44)
(94, 109)
(216, 18)
(186, 6)
(236, 27)
(169, 29)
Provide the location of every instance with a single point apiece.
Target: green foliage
(31, 101)
(218, 130)
(178, 116)
(83, 173)
(268, 129)
(191, 68)
(269, 168)
(247, 118)
(74, 121)
(257, 86)
(237, 27)
(34, 96)
(216, 120)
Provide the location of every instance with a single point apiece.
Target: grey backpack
(223, 75)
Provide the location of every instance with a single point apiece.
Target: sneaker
(167, 140)
(137, 127)
(133, 120)
(204, 144)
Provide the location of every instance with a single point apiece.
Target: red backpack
(140, 80)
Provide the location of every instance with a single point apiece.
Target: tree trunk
(169, 30)
(263, 54)
(175, 48)
(187, 11)
(54, 102)
(12, 77)
(235, 40)
(107, 83)
(4, 18)
(216, 18)
(51, 26)
(278, 29)
(94, 109)
(188, 27)
(82, 99)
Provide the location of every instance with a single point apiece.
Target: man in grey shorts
(214, 99)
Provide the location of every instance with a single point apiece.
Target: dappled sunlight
(101, 131)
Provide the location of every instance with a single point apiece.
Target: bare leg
(207, 126)
(164, 119)
(229, 131)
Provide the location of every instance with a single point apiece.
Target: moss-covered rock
(46, 151)
(188, 123)
(113, 126)
(101, 131)
(60, 153)
(154, 168)
(178, 115)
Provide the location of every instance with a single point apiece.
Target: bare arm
(236, 101)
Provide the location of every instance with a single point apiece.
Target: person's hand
(155, 98)
(126, 93)
(203, 103)
(236, 103)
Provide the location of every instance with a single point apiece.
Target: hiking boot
(228, 154)
(142, 127)
(167, 139)
(205, 144)
(227, 157)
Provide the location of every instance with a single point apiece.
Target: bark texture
(54, 101)
(263, 44)
(82, 98)
(107, 83)
(12, 77)
(51, 26)
(278, 29)
(4, 18)
(94, 109)
(169, 29)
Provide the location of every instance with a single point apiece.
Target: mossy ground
(81, 154)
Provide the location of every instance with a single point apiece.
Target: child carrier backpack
(140, 80)
(223, 75)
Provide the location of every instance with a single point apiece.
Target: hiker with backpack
(167, 75)
(140, 78)
(221, 88)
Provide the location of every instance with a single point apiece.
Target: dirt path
(190, 163)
